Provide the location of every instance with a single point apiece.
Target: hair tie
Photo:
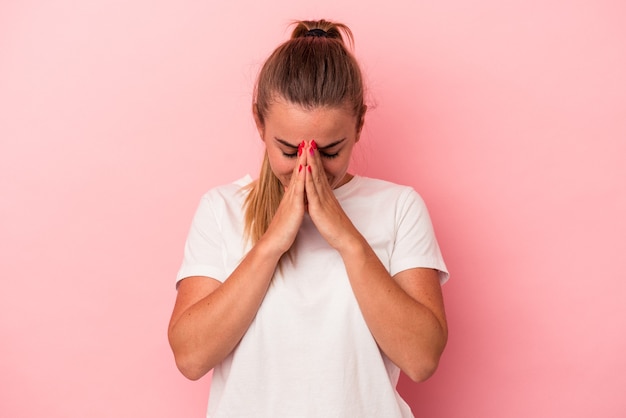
(317, 33)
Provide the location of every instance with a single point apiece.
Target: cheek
(283, 169)
(280, 165)
(329, 169)
(286, 166)
(335, 167)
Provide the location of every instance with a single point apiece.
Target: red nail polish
(308, 168)
(313, 144)
(300, 148)
(300, 168)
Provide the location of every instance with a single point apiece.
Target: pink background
(508, 117)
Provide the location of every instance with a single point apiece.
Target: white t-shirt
(308, 351)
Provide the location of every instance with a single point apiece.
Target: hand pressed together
(325, 211)
(309, 190)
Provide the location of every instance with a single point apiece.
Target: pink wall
(508, 117)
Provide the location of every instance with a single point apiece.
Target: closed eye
(323, 154)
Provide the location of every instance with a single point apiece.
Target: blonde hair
(314, 68)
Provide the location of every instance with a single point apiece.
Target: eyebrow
(289, 145)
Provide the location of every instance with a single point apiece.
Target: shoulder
(235, 190)
(226, 198)
(384, 189)
(379, 184)
(380, 198)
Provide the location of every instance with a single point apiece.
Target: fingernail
(308, 168)
(313, 144)
(300, 168)
(300, 148)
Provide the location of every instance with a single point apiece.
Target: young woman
(310, 288)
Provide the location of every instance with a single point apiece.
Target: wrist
(268, 250)
(353, 247)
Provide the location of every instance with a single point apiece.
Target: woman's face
(334, 130)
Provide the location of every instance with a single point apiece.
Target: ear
(360, 123)
(257, 120)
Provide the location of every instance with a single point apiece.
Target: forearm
(406, 326)
(208, 330)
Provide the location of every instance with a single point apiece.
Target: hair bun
(321, 29)
(318, 33)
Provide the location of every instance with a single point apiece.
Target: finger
(312, 175)
(299, 174)
(317, 169)
(300, 163)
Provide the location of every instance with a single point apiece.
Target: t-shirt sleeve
(204, 248)
(415, 244)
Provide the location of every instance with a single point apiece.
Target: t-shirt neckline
(346, 188)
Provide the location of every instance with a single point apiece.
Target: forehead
(294, 122)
